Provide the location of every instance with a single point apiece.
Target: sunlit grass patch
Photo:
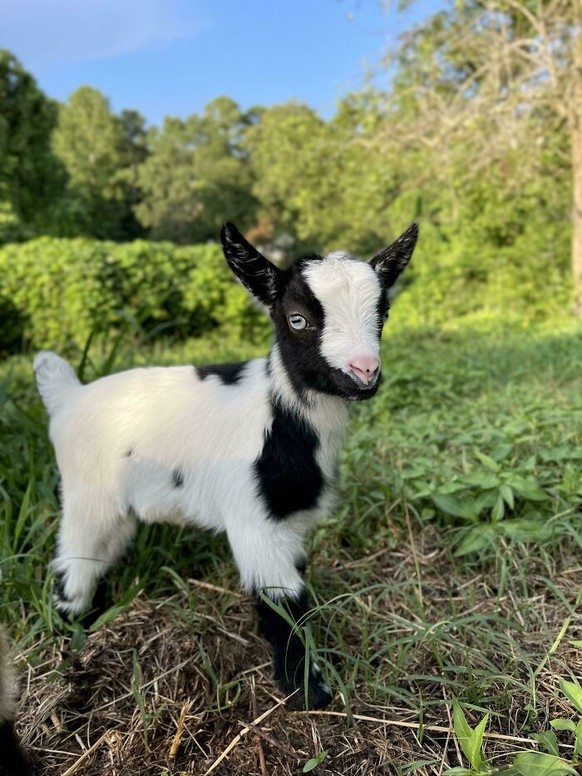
(448, 572)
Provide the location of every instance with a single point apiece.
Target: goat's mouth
(355, 389)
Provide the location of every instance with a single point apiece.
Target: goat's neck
(326, 414)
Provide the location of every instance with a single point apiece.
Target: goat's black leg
(289, 653)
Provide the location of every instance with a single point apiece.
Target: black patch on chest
(287, 473)
(229, 374)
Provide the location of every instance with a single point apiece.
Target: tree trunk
(576, 125)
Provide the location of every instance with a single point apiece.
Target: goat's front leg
(270, 558)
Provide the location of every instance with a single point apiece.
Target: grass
(449, 571)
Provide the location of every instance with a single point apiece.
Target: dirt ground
(153, 692)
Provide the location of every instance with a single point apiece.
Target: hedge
(55, 292)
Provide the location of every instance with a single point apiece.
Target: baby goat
(248, 448)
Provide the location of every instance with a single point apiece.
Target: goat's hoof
(317, 696)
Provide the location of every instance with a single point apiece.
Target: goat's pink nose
(365, 368)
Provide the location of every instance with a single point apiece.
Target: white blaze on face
(349, 292)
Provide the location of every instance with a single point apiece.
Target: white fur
(349, 292)
(121, 440)
(170, 420)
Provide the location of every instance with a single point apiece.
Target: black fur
(391, 262)
(59, 587)
(177, 478)
(301, 350)
(289, 652)
(229, 374)
(13, 761)
(287, 473)
(129, 453)
(253, 270)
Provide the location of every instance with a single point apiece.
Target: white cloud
(42, 32)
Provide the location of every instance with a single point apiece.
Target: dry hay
(163, 690)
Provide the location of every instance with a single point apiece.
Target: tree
(197, 175)
(89, 141)
(484, 78)
(30, 174)
(326, 183)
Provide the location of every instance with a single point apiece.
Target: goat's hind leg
(92, 536)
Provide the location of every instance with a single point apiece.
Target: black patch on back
(287, 473)
(177, 478)
(229, 374)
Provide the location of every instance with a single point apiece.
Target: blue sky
(171, 57)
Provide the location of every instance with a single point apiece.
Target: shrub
(56, 292)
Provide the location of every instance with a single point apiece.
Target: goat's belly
(198, 494)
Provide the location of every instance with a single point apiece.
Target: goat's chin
(347, 388)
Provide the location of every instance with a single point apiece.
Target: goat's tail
(13, 760)
(55, 378)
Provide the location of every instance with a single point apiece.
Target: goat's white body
(120, 439)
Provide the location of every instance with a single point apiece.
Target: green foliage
(98, 151)
(56, 293)
(30, 175)
(197, 175)
(471, 742)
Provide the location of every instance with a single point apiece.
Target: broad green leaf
(540, 764)
(487, 461)
(548, 741)
(452, 506)
(573, 692)
(475, 539)
(468, 738)
(507, 495)
(563, 724)
(498, 509)
(476, 742)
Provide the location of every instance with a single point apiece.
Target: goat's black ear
(390, 262)
(253, 270)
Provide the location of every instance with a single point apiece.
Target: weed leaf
(539, 764)
(563, 724)
(469, 740)
(548, 741)
(573, 693)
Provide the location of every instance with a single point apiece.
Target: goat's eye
(297, 322)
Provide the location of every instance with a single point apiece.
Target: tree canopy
(478, 132)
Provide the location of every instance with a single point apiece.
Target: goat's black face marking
(288, 476)
(177, 478)
(228, 374)
(301, 350)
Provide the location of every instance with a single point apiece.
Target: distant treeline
(475, 136)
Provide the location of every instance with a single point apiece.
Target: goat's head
(328, 310)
